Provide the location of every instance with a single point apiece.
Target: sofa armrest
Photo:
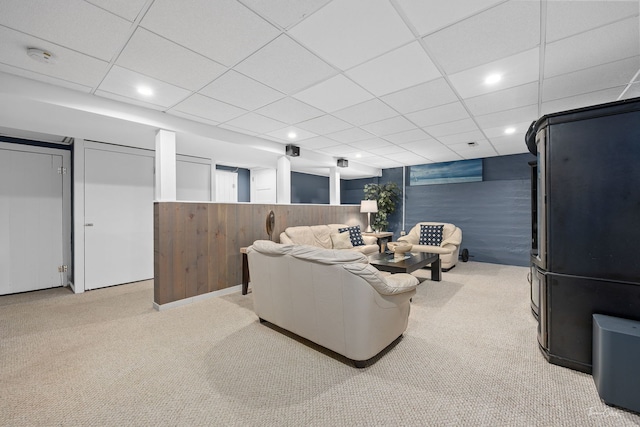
(284, 239)
(455, 238)
(408, 239)
(400, 283)
(370, 240)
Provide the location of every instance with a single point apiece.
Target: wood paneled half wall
(197, 245)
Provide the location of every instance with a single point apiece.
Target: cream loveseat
(448, 248)
(334, 298)
(327, 237)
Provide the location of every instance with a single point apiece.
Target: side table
(245, 271)
(382, 236)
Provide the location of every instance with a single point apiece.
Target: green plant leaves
(387, 196)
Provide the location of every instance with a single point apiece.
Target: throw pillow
(354, 234)
(341, 241)
(430, 235)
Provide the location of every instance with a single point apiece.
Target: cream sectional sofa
(327, 237)
(334, 298)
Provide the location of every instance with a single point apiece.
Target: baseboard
(190, 300)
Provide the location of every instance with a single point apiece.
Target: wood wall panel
(197, 245)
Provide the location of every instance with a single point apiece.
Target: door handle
(89, 224)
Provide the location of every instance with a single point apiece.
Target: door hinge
(63, 269)
(62, 171)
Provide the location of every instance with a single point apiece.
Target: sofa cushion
(430, 235)
(354, 234)
(341, 241)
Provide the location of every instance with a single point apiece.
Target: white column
(165, 165)
(334, 186)
(283, 181)
(78, 215)
(214, 182)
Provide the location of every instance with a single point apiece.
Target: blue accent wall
(307, 188)
(494, 215)
(244, 181)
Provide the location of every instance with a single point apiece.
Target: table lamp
(369, 206)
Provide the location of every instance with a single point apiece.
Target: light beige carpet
(106, 358)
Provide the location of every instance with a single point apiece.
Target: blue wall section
(494, 215)
(244, 184)
(306, 188)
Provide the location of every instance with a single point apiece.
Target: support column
(283, 181)
(165, 166)
(334, 186)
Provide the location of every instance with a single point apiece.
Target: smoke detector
(41, 55)
(472, 144)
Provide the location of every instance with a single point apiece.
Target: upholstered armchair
(438, 238)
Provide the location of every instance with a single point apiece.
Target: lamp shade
(369, 206)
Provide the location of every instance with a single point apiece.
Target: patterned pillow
(354, 234)
(430, 235)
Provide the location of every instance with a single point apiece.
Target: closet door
(118, 217)
(31, 221)
(226, 186)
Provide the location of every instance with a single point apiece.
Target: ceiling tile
(425, 95)
(44, 78)
(441, 114)
(483, 149)
(457, 138)
(385, 163)
(194, 118)
(592, 48)
(428, 16)
(324, 124)
(318, 142)
(75, 24)
(340, 35)
(389, 126)
(208, 108)
(515, 70)
(70, 65)
(210, 28)
(127, 9)
(334, 94)
(583, 100)
(527, 113)
(632, 92)
(149, 54)
(283, 134)
(125, 99)
(450, 128)
(366, 112)
(340, 150)
(426, 147)
(289, 110)
(520, 129)
(256, 123)
(239, 90)
(350, 135)
(235, 129)
(284, 13)
(369, 144)
(406, 136)
(591, 79)
(121, 81)
(398, 69)
(286, 66)
(448, 156)
(567, 18)
(389, 149)
(507, 149)
(407, 158)
(501, 31)
(505, 99)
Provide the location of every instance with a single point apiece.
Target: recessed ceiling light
(509, 131)
(145, 90)
(492, 79)
(292, 135)
(358, 155)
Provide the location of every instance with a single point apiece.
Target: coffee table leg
(436, 270)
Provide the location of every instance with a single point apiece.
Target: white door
(263, 185)
(118, 217)
(226, 186)
(31, 221)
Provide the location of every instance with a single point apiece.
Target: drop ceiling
(383, 83)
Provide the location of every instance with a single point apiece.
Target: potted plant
(387, 195)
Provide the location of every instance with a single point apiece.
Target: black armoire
(586, 258)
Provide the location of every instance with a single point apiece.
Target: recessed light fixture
(145, 90)
(41, 55)
(292, 135)
(358, 155)
(509, 131)
(492, 79)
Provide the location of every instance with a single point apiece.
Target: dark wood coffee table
(408, 263)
